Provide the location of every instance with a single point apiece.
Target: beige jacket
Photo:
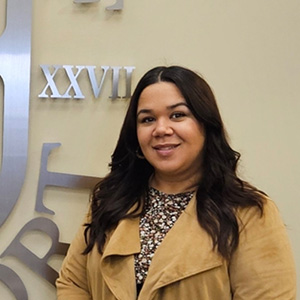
(184, 266)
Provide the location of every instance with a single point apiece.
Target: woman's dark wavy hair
(219, 193)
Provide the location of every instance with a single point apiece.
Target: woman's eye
(147, 120)
(178, 115)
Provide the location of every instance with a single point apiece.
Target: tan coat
(184, 266)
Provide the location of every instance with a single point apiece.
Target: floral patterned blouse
(160, 214)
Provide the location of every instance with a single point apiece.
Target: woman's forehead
(161, 92)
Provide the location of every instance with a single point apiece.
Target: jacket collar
(186, 250)
(117, 262)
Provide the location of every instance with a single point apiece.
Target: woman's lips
(165, 150)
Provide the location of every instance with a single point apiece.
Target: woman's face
(169, 136)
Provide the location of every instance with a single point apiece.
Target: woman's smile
(165, 149)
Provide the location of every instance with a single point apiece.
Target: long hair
(219, 193)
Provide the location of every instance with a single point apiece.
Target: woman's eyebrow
(144, 111)
(177, 104)
(170, 107)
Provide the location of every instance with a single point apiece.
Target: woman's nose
(163, 127)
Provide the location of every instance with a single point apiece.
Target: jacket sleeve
(262, 267)
(72, 283)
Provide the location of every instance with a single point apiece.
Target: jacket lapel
(185, 251)
(117, 263)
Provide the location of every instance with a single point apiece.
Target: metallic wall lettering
(73, 81)
(115, 79)
(50, 82)
(15, 61)
(119, 5)
(50, 72)
(58, 179)
(32, 261)
(13, 282)
(91, 71)
(129, 71)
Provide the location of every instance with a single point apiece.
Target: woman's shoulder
(253, 219)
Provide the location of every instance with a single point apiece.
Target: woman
(172, 220)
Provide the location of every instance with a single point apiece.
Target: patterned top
(161, 212)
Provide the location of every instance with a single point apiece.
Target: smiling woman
(172, 220)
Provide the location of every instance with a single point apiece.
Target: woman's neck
(172, 185)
